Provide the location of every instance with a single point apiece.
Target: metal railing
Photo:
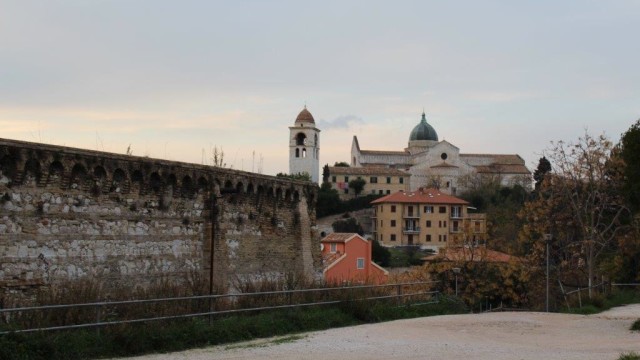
(108, 313)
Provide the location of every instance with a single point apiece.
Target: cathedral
(440, 164)
(425, 162)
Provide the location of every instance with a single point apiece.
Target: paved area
(494, 336)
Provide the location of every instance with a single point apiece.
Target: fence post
(399, 294)
(98, 318)
(580, 297)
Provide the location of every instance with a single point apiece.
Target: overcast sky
(174, 78)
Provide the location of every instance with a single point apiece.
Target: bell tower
(304, 146)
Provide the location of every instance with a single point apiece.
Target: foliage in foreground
(636, 325)
(599, 303)
(141, 339)
(629, 356)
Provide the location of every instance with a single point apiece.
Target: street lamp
(456, 271)
(547, 240)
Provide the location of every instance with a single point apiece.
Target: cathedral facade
(440, 164)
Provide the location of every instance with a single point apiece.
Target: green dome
(423, 131)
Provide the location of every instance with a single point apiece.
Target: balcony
(411, 230)
(456, 229)
(411, 215)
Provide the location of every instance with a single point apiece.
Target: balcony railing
(411, 230)
(411, 215)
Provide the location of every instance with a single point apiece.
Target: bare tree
(584, 180)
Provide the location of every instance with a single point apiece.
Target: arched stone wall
(124, 220)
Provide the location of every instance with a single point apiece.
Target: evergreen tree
(325, 173)
(630, 151)
(544, 167)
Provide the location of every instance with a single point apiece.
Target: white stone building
(434, 163)
(304, 146)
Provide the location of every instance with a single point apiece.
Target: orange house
(347, 258)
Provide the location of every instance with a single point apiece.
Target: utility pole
(547, 240)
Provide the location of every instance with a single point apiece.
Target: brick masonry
(123, 220)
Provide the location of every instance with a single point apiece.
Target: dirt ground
(495, 336)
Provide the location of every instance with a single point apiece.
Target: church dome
(423, 131)
(305, 116)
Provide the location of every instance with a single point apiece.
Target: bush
(636, 325)
(629, 356)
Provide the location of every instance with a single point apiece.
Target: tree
(325, 173)
(328, 201)
(630, 153)
(341, 164)
(580, 203)
(349, 225)
(303, 176)
(357, 185)
(380, 254)
(544, 167)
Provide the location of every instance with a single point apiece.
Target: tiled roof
(338, 237)
(340, 170)
(511, 159)
(422, 196)
(305, 116)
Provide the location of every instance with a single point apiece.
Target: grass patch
(635, 326)
(599, 303)
(141, 339)
(629, 356)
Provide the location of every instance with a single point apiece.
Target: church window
(333, 179)
(388, 180)
(297, 153)
(373, 180)
(301, 139)
(304, 152)
(443, 156)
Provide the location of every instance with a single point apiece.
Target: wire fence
(112, 313)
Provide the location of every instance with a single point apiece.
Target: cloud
(341, 122)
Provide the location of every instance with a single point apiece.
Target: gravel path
(493, 336)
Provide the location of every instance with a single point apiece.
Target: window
(301, 139)
(297, 152)
(380, 192)
(448, 184)
(439, 223)
(334, 247)
(428, 223)
(304, 153)
(388, 180)
(333, 179)
(380, 223)
(428, 237)
(444, 237)
(439, 238)
(373, 180)
(401, 180)
(393, 237)
(393, 208)
(456, 211)
(442, 209)
(346, 179)
(381, 237)
(393, 223)
(428, 209)
(360, 263)
(388, 191)
(445, 223)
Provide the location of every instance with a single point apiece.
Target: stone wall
(125, 221)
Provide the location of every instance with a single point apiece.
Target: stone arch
(187, 188)
(287, 195)
(79, 177)
(228, 184)
(203, 184)
(137, 181)
(155, 182)
(118, 180)
(300, 138)
(270, 191)
(250, 189)
(32, 173)
(8, 169)
(56, 172)
(296, 196)
(279, 193)
(240, 187)
(260, 190)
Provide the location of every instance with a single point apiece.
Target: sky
(174, 79)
